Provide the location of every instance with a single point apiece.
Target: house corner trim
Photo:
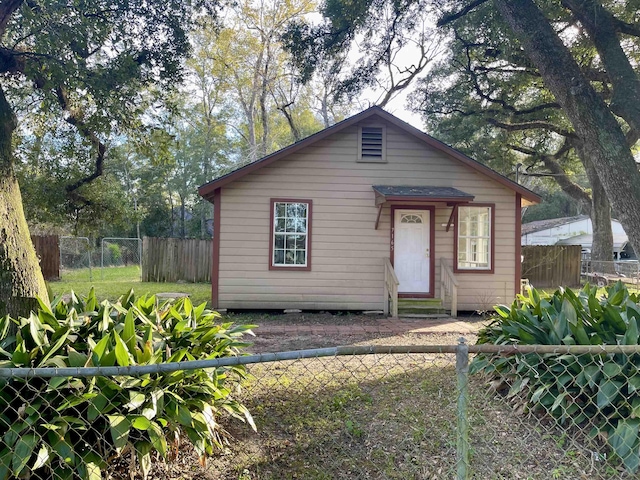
(215, 264)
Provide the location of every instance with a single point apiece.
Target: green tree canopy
(94, 65)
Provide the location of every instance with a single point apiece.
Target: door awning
(449, 195)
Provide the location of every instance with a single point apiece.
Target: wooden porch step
(421, 307)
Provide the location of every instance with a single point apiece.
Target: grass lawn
(112, 282)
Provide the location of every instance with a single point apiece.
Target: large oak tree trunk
(602, 242)
(592, 120)
(20, 275)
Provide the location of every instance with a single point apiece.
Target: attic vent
(372, 145)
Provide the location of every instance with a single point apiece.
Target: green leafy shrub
(115, 254)
(600, 394)
(75, 427)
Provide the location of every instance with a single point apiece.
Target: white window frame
(471, 243)
(275, 234)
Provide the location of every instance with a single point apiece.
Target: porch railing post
(462, 427)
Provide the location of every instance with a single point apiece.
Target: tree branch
(453, 16)
(74, 117)
(552, 164)
(513, 127)
(7, 8)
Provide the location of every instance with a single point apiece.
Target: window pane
(301, 241)
(301, 225)
(462, 228)
(290, 243)
(280, 209)
(280, 241)
(291, 225)
(300, 257)
(296, 210)
(289, 257)
(280, 224)
(278, 257)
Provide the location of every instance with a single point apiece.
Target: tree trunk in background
(593, 122)
(21, 279)
(602, 244)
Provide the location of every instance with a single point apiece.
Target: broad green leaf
(119, 431)
(184, 416)
(558, 401)
(143, 449)
(56, 346)
(633, 383)
(129, 331)
(187, 305)
(76, 359)
(569, 312)
(122, 354)
(22, 452)
(36, 331)
(5, 463)
(608, 391)
(158, 439)
(593, 374)
(624, 442)
(98, 406)
(140, 422)
(611, 369)
(631, 335)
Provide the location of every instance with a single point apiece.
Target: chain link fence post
(462, 426)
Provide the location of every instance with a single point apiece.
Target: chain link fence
(120, 252)
(415, 412)
(75, 254)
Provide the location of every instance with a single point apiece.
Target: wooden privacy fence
(176, 259)
(551, 266)
(48, 251)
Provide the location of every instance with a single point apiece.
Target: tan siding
(347, 252)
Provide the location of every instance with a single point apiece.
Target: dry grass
(379, 417)
(385, 417)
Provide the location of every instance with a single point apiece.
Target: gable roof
(207, 190)
(540, 225)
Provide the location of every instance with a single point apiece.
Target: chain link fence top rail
(415, 412)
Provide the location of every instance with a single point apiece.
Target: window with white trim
(290, 234)
(474, 238)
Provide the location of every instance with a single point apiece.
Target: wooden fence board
(48, 251)
(551, 266)
(176, 259)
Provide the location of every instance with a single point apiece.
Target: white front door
(412, 258)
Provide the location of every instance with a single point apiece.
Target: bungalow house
(361, 213)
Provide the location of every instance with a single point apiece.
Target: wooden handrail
(448, 286)
(390, 289)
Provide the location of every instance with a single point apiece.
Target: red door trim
(432, 244)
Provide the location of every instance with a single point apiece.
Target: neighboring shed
(327, 222)
(574, 231)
